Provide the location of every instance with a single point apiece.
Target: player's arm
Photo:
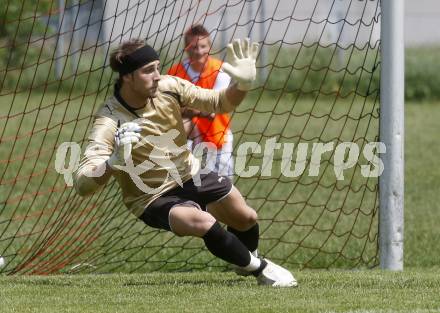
(109, 146)
(93, 171)
(222, 81)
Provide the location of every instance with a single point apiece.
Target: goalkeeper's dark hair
(197, 30)
(120, 52)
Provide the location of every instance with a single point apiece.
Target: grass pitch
(305, 221)
(414, 290)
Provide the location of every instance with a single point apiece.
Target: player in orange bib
(204, 71)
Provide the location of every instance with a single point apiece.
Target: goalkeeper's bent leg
(226, 246)
(188, 220)
(249, 237)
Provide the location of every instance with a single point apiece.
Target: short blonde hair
(197, 30)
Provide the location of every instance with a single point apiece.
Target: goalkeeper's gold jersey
(162, 151)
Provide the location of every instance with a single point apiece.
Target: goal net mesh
(318, 82)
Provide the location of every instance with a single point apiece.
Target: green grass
(422, 184)
(127, 245)
(304, 223)
(315, 222)
(319, 291)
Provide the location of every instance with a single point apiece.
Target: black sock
(226, 246)
(249, 237)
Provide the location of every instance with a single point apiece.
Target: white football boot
(276, 276)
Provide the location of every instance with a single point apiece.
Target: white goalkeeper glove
(240, 62)
(126, 135)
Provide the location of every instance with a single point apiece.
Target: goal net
(306, 133)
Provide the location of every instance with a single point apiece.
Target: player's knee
(247, 220)
(189, 221)
(195, 223)
(204, 223)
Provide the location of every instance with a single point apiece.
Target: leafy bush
(306, 70)
(422, 74)
(318, 69)
(315, 69)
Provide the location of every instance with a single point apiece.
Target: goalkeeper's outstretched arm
(240, 65)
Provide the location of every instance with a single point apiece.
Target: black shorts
(213, 188)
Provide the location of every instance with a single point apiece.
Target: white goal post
(391, 183)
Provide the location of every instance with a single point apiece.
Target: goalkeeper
(139, 138)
